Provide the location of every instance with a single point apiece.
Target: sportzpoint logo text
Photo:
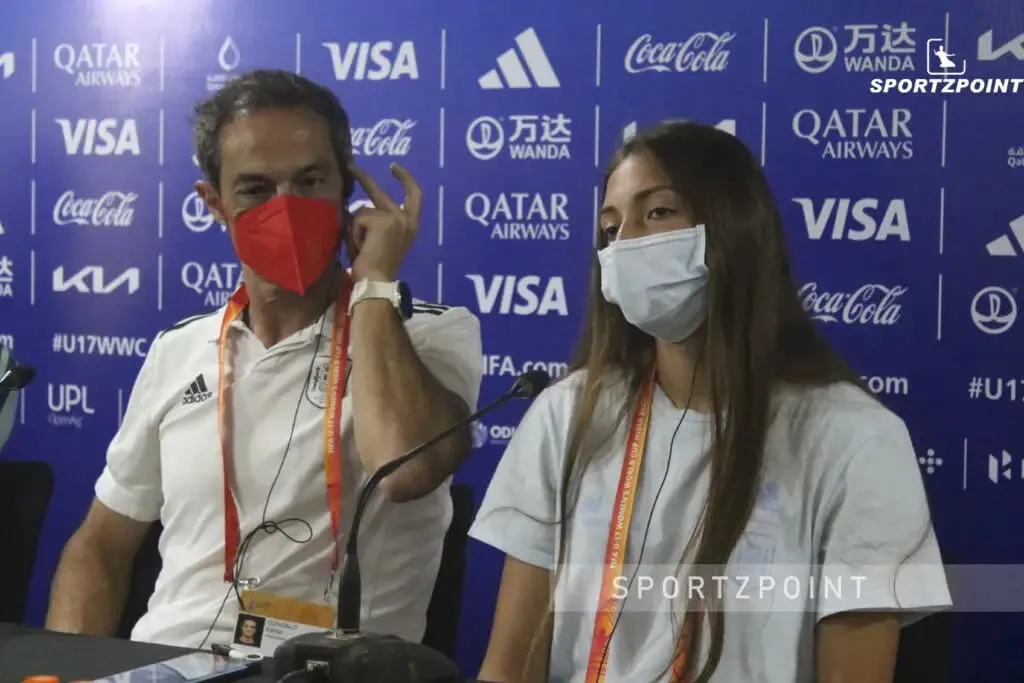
(947, 73)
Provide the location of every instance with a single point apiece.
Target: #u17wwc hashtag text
(996, 388)
(100, 345)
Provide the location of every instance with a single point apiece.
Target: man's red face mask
(289, 241)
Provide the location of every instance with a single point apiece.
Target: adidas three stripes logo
(197, 392)
(518, 72)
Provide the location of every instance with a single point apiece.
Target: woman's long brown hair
(757, 336)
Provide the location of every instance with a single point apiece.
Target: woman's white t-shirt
(841, 523)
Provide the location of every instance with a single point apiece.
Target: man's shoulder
(429, 313)
(435, 324)
(427, 309)
(195, 328)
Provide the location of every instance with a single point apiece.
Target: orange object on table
(41, 679)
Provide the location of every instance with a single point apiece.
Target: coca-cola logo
(386, 138)
(704, 51)
(868, 305)
(111, 210)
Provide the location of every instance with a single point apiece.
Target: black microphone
(18, 377)
(345, 653)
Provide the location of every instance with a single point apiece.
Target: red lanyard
(336, 377)
(618, 535)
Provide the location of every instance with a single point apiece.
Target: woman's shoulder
(836, 420)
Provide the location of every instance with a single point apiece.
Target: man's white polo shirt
(165, 464)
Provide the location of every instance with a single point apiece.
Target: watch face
(404, 300)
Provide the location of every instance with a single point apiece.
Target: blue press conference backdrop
(904, 211)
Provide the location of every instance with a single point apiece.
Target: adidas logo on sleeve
(197, 392)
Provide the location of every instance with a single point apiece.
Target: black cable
(650, 518)
(213, 624)
(271, 527)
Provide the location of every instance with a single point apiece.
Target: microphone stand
(345, 655)
(18, 377)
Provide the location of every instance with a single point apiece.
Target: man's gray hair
(260, 90)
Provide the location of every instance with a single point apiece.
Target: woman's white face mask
(659, 281)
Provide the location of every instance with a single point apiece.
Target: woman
(707, 431)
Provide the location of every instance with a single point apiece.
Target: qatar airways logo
(386, 138)
(109, 210)
(704, 51)
(213, 282)
(100, 65)
(521, 215)
(868, 305)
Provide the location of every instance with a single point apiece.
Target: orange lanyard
(336, 377)
(618, 535)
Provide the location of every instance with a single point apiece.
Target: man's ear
(212, 200)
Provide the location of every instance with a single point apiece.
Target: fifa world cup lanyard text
(618, 535)
(336, 377)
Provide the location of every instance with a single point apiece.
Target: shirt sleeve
(451, 349)
(519, 512)
(879, 549)
(130, 484)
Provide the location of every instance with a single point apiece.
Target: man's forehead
(274, 130)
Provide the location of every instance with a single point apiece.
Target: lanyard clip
(250, 583)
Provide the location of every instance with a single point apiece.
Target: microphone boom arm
(527, 385)
(389, 468)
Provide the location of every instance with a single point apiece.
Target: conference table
(28, 652)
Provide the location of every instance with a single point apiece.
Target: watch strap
(368, 289)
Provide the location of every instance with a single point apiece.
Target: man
(275, 151)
